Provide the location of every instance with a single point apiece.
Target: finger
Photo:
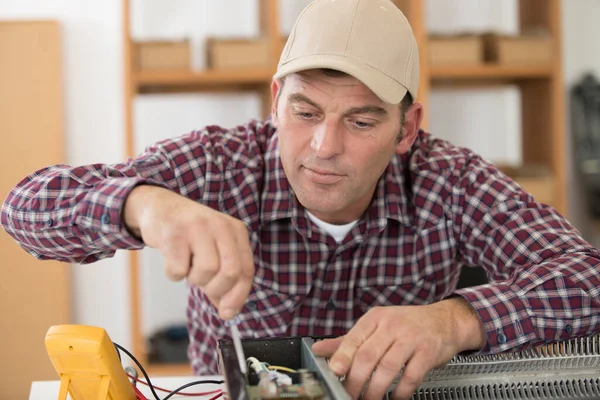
(231, 303)
(342, 359)
(326, 347)
(387, 370)
(233, 300)
(229, 266)
(176, 255)
(412, 376)
(246, 254)
(205, 259)
(366, 359)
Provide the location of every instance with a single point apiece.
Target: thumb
(326, 347)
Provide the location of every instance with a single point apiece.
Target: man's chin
(318, 206)
(318, 198)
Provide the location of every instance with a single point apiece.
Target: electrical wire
(187, 385)
(256, 365)
(160, 389)
(118, 352)
(216, 396)
(280, 368)
(124, 350)
(139, 395)
(151, 386)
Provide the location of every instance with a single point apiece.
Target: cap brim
(384, 87)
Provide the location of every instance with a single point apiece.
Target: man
(336, 216)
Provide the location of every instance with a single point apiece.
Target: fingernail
(336, 367)
(228, 313)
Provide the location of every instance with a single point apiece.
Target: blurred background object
(585, 122)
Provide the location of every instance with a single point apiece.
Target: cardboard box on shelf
(463, 49)
(237, 53)
(527, 49)
(163, 55)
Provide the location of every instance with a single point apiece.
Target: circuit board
(278, 369)
(273, 387)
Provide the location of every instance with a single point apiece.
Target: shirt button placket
(501, 338)
(569, 329)
(330, 305)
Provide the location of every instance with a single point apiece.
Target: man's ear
(410, 129)
(275, 88)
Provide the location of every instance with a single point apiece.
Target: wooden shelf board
(490, 72)
(201, 78)
(180, 369)
(215, 78)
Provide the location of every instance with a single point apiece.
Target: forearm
(544, 277)
(556, 300)
(70, 214)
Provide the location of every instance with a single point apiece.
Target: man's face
(336, 138)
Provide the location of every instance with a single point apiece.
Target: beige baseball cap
(368, 39)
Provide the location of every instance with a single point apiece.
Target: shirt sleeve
(544, 277)
(73, 214)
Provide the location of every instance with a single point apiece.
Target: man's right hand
(210, 248)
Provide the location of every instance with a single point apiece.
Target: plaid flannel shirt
(436, 209)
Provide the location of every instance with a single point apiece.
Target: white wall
(485, 119)
(94, 105)
(472, 16)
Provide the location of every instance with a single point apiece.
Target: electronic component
(87, 363)
(310, 377)
(278, 382)
(565, 369)
(307, 387)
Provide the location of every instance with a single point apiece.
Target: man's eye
(362, 124)
(305, 115)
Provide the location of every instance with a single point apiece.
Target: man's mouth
(322, 176)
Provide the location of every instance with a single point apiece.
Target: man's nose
(327, 140)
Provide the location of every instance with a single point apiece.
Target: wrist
(466, 325)
(136, 202)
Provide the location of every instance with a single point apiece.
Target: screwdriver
(237, 344)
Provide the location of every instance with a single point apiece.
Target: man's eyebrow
(370, 109)
(300, 98)
(376, 110)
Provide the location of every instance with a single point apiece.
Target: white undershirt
(337, 231)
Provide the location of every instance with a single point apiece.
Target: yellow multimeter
(88, 364)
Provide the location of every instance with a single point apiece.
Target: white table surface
(48, 390)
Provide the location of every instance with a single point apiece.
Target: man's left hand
(386, 339)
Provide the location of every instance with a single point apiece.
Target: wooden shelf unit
(543, 108)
